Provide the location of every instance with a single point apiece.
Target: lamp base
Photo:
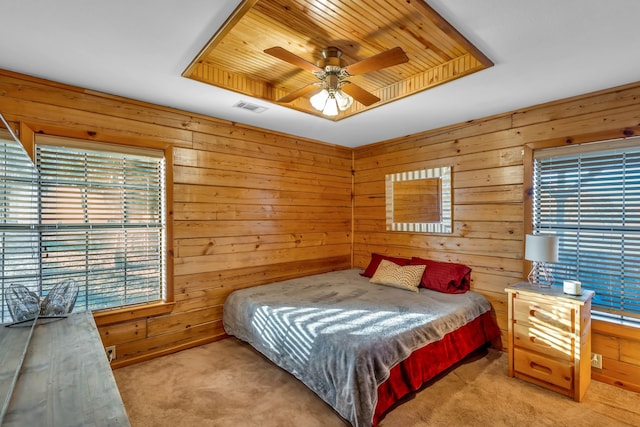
(540, 275)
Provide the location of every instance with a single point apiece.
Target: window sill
(120, 315)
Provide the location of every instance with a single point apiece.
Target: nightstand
(550, 338)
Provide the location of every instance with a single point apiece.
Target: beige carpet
(227, 383)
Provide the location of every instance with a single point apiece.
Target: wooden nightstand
(550, 338)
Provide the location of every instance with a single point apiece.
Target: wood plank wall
(250, 206)
(490, 182)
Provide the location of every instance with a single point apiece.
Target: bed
(359, 346)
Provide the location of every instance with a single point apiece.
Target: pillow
(398, 276)
(375, 261)
(444, 277)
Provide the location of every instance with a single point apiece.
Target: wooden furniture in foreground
(66, 379)
(550, 338)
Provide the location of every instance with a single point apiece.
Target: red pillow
(444, 277)
(375, 262)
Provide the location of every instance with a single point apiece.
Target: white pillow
(399, 276)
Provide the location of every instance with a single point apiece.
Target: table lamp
(541, 249)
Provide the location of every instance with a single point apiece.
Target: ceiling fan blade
(299, 92)
(289, 57)
(359, 94)
(382, 60)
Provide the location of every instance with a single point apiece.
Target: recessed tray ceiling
(234, 58)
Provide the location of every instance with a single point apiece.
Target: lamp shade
(319, 100)
(541, 248)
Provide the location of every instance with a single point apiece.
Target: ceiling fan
(336, 92)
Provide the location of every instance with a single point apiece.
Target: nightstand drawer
(533, 312)
(545, 341)
(543, 368)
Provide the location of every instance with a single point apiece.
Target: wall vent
(250, 107)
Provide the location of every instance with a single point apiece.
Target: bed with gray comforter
(340, 335)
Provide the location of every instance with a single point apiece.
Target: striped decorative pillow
(399, 276)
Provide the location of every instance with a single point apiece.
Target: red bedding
(426, 362)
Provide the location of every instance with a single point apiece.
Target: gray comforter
(341, 335)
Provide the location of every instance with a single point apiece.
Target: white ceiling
(543, 50)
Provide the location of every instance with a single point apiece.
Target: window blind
(19, 256)
(102, 223)
(589, 197)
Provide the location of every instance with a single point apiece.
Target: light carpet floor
(228, 383)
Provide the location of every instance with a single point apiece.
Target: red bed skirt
(427, 362)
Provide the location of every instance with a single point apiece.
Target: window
(589, 196)
(92, 212)
(19, 255)
(102, 221)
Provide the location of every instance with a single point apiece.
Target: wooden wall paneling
(123, 332)
(220, 245)
(606, 345)
(630, 351)
(74, 98)
(89, 122)
(160, 345)
(487, 125)
(576, 106)
(205, 263)
(402, 162)
(250, 206)
(619, 346)
(457, 245)
(618, 373)
(452, 151)
(201, 194)
(277, 166)
(187, 286)
(569, 129)
(246, 141)
(179, 320)
(509, 193)
(506, 230)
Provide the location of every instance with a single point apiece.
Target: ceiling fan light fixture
(344, 100)
(319, 100)
(331, 72)
(330, 102)
(331, 107)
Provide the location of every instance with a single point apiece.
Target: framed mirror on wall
(419, 201)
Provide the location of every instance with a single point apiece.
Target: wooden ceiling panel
(234, 58)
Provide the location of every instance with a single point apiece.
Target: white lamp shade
(319, 100)
(541, 248)
(331, 107)
(344, 100)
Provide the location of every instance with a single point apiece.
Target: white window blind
(102, 222)
(19, 256)
(589, 196)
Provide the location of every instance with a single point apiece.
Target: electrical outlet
(596, 360)
(111, 352)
